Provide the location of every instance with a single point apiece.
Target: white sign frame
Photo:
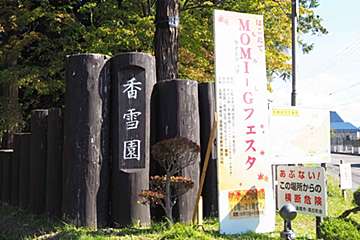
(291, 184)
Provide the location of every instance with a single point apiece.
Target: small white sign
(304, 187)
(299, 135)
(345, 176)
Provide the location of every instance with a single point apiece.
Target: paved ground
(333, 168)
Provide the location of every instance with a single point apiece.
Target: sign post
(244, 172)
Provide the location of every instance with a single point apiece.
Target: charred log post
(1, 173)
(133, 76)
(6, 156)
(14, 195)
(86, 140)
(177, 115)
(24, 169)
(38, 155)
(55, 138)
(207, 111)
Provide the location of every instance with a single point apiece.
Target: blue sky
(329, 77)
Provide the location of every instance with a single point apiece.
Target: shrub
(173, 155)
(335, 229)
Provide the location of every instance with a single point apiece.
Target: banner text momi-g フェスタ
(245, 191)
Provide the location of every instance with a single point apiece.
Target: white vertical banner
(246, 201)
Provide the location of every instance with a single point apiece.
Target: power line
(343, 89)
(352, 47)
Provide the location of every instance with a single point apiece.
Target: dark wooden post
(6, 156)
(55, 138)
(1, 173)
(167, 39)
(15, 170)
(86, 140)
(38, 155)
(133, 78)
(207, 111)
(24, 169)
(177, 114)
(14, 192)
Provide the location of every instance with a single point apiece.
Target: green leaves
(35, 37)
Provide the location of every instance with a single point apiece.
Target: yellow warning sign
(285, 112)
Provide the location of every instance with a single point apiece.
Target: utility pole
(167, 39)
(293, 50)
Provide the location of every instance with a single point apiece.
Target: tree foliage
(35, 37)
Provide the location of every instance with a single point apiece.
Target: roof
(334, 117)
(338, 124)
(343, 126)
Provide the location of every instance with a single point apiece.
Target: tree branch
(348, 212)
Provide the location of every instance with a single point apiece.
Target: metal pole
(319, 220)
(293, 51)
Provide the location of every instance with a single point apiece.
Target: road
(333, 168)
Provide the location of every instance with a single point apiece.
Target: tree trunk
(167, 39)
(10, 108)
(168, 202)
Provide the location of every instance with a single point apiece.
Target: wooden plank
(204, 168)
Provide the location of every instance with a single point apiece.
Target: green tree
(36, 36)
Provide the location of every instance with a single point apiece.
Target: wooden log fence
(63, 166)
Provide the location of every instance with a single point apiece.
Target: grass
(18, 224)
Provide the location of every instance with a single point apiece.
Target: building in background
(345, 137)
